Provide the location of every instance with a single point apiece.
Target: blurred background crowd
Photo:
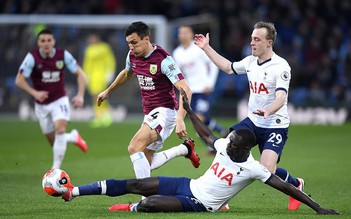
(313, 35)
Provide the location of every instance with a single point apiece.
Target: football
(55, 182)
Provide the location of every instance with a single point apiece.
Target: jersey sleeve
(128, 67)
(283, 74)
(260, 172)
(171, 70)
(27, 65)
(240, 66)
(70, 62)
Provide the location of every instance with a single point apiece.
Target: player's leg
(113, 187)
(48, 127)
(186, 149)
(271, 151)
(212, 124)
(60, 110)
(162, 120)
(172, 195)
(60, 142)
(144, 136)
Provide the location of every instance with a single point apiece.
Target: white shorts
(163, 121)
(49, 113)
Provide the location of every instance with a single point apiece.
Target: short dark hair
(45, 31)
(140, 28)
(271, 31)
(244, 137)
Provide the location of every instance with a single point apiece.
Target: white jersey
(200, 72)
(264, 80)
(225, 178)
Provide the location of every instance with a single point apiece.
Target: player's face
(259, 43)
(185, 35)
(236, 151)
(140, 47)
(46, 43)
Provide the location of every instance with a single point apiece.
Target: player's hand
(327, 211)
(41, 96)
(202, 41)
(77, 101)
(101, 97)
(262, 112)
(180, 129)
(185, 99)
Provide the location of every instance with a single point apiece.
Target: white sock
(71, 136)
(75, 192)
(163, 157)
(141, 165)
(133, 207)
(59, 150)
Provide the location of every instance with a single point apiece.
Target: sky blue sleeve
(171, 70)
(27, 65)
(128, 68)
(70, 62)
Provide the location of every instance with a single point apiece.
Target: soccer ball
(55, 182)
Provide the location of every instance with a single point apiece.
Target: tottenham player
(157, 74)
(201, 75)
(45, 67)
(269, 77)
(232, 169)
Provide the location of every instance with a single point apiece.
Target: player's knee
(149, 204)
(132, 149)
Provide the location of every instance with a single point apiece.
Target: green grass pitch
(319, 154)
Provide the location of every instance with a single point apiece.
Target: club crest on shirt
(59, 64)
(153, 69)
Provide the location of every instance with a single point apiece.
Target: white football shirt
(199, 71)
(264, 80)
(225, 178)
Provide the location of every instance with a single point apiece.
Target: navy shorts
(266, 138)
(200, 104)
(180, 189)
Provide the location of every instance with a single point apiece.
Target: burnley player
(269, 77)
(45, 67)
(232, 169)
(158, 75)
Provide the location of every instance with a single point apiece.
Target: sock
(284, 175)
(109, 187)
(163, 157)
(141, 165)
(71, 136)
(134, 207)
(59, 150)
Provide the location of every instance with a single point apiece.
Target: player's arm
(78, 99)
(287, 188)
(21, 79)
(121, 79)
(180, 127)
(280, 97)
(204, 43)
(22, 83)
(203, 131)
